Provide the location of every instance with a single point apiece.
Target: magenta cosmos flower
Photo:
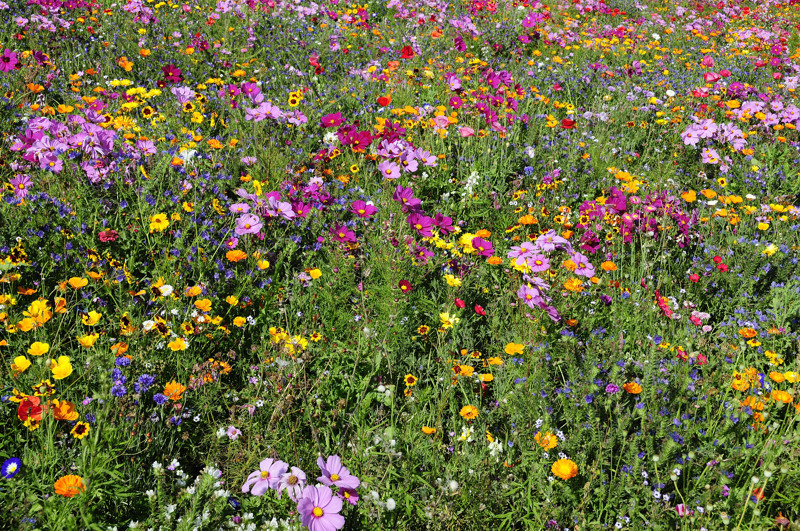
(333, 473)
(265, 478)
(362, 209)
(319, 509)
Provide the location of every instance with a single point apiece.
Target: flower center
(292, 480)
(334, 477)
(318, 512)
(265, 474)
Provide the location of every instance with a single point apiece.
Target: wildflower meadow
(405, 264)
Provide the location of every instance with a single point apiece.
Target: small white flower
(390, 504)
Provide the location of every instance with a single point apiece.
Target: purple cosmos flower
(333, 473)
(280, 208)
(525, 250)
(362, 209)
(293, 482)
(406, 197)
(248, 224)
(21, 183)
(239, 208)
(530, 296)
(233, 432)
(348, 495)
(537, 263)
(585, 267)
(319, 510)
(389, 169)
(265, 478)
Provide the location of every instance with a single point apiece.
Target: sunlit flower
(564, 469)
(69, 486)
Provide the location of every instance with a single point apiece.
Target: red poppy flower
(460, 303)
(479, 310)
(566, 123)
(383, 101)
(30, 409)
(694, 278)
(723, 268)
(717, 259)
(407, 52)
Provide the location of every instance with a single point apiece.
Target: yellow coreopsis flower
(158, 222)
(61, 368)
(315, 273)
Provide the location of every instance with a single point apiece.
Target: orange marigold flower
(632, 388)
(469, 412)
(781, 396)
(235, 255)
(546, 440)
(494, 260)
(528, 220)
(564, 469)
(69, 486)
(608, 265)
(428, 431)
(747, 333)
(573, 284)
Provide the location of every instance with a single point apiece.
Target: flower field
(411, 264)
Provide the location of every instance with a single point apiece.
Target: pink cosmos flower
(265, 478)
(248, 224)
(585, 267)
(389, 170)
(538, 263)
(334, 473)
(293, 482)
(466, 131)
(319, 510)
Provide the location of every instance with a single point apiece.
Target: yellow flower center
(318, 512)
(265, 474)
(292, 480)
(334, 477)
